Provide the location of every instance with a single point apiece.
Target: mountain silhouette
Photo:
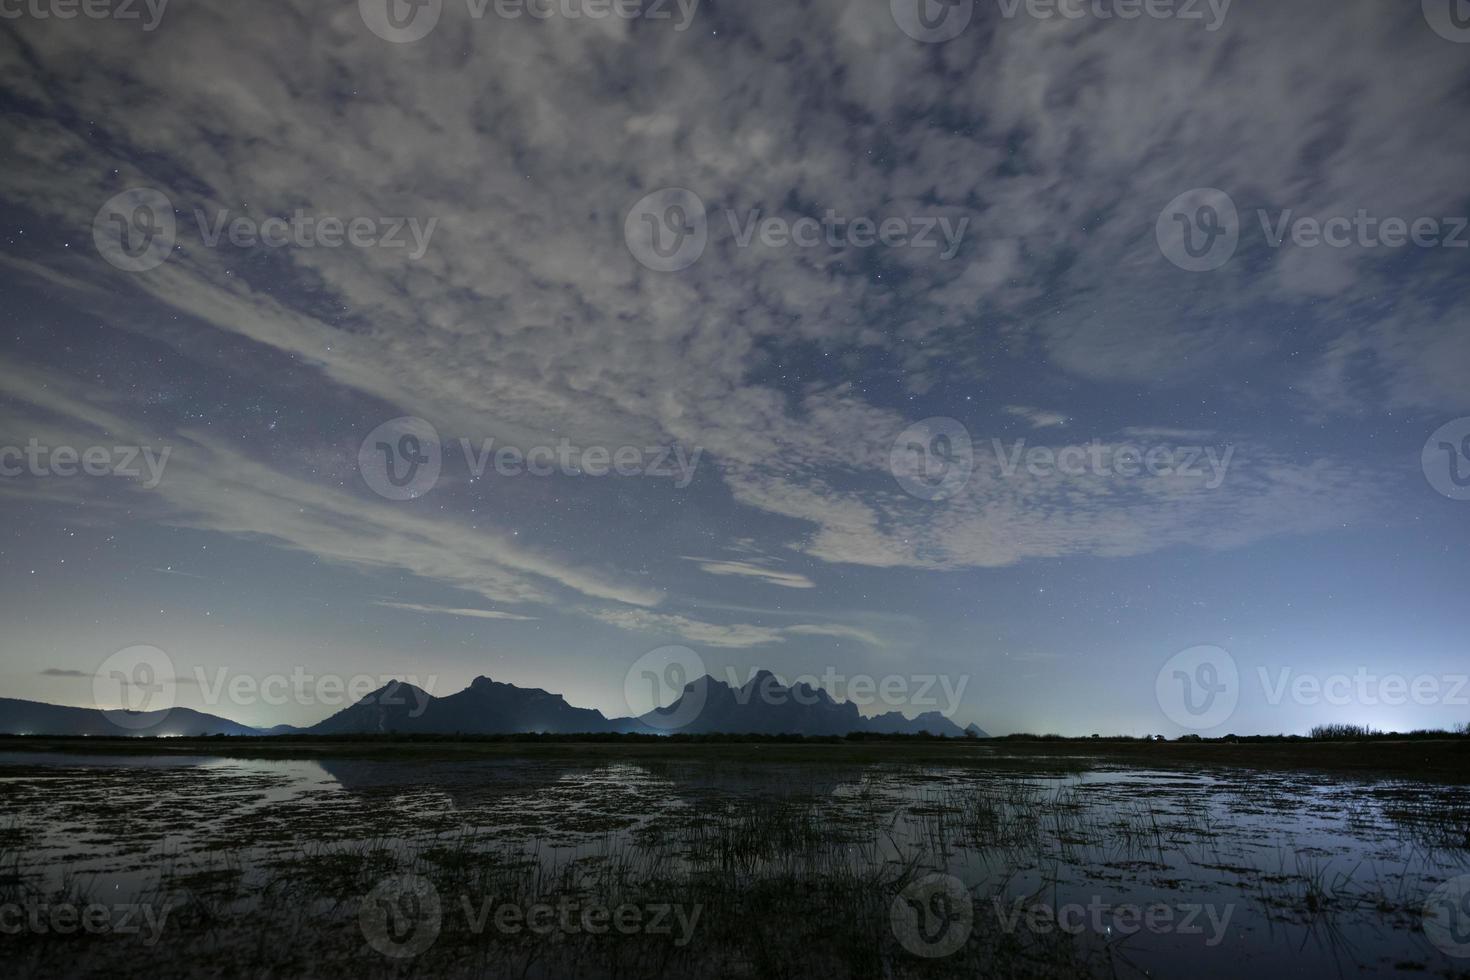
(486, 707)
(395, 707)
(761, 706)
(19, 717)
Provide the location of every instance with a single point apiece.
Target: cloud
(1039, 418)
(706, 634)
(844, 632)
(528, 318)
(771, 576)
(212, 486)
(90, 674)
(452, 611)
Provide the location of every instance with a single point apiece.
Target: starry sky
(555, 164)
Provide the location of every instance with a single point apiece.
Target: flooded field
(160, 866)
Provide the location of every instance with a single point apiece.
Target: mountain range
(763, 705)
(38, 718)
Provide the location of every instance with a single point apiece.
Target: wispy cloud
(771, 576)
(709, 634)
(452, 611)
(838, 630)
(1039, 418)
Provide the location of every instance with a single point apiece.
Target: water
(1158, 872)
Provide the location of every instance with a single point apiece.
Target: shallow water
(1166, 872)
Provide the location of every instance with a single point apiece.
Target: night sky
(586, 275)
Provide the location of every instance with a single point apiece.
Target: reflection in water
(1265, 866)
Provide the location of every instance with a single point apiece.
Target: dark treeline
(1319, 733)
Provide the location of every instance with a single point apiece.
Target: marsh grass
(789, 880)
